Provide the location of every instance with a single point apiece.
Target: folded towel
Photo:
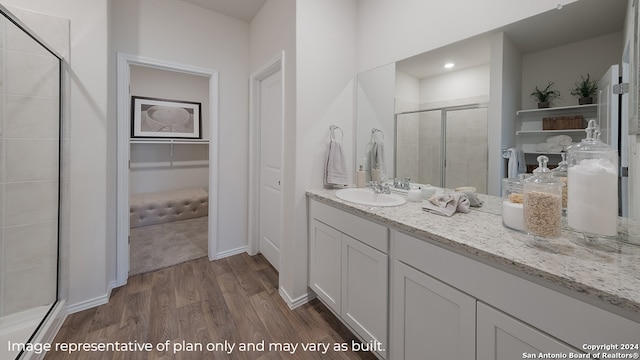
(335, 170)
(474, 200)
(447, 204)
(564, 140)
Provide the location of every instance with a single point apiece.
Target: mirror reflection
(451, 125)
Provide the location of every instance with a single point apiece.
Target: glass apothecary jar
(542, 203)
(593, 187)
(512, 204)
(561, 173)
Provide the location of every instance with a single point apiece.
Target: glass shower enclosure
(444, 147)
(30, 143)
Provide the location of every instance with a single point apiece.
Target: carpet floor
(159, 246)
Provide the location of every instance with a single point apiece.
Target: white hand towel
(376, 156)
(516, 164)
(335, 170)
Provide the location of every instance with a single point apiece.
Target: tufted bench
(167, 206)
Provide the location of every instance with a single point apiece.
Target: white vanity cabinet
(445, 305)
(348, 270)
(431, 320)
(502, 337)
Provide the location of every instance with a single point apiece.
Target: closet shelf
(169, 141)
(552, 109)
(538, 132)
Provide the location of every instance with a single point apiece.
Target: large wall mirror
(451, 125)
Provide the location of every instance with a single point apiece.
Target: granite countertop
(610, 277)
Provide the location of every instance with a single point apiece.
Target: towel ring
(332, 128)
(374, 131)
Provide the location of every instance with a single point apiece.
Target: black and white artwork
(162, 118)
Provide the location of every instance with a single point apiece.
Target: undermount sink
(366, 196)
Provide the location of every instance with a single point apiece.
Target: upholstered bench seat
(167, 206)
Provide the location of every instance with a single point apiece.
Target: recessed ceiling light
(448, 65)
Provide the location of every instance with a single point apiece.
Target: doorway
(265, 199)
(209, 140)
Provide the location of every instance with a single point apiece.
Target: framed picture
(161, 118)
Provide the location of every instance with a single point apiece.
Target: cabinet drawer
(368, 232)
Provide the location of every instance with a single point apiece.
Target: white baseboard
(88, 304)
(231, 252)
(294, 303)
(47, 333)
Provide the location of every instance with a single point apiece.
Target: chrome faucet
(402, 184)
(379, 188)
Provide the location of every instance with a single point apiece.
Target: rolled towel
(544, 147)
(447, 204)
(563, 140)
(474, 200)
(549, 147)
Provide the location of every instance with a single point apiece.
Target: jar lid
(563, 165)
(542, 174)
(592, 142)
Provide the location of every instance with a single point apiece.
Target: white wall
(161, 167)
(326, 67)
(389, 31)
(89, 180)
(273, 30)
(465, 83)
(375, 110)
(206, 39)
(506, 85)
(407, 88)
(564, 64)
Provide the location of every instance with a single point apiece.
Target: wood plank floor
(201, 302)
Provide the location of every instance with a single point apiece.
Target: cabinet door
(325, 247)
(430, 320)
(501, 337)
(365, 291)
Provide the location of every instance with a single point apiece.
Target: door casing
(270, 67)
(124, 62)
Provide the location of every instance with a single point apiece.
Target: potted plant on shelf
(585, 89)
(545, 96)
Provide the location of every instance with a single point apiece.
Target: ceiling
(580, 20)
(244, 10)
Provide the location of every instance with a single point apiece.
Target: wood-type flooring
(233, 300)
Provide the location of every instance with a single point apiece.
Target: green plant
(546, 94)
(585, 87)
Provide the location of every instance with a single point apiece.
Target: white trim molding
(270, 67)
(122, 193)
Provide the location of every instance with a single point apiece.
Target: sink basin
(365, 196)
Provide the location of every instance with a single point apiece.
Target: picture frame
(164, 118)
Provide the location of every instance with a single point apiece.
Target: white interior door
(608, 107)
(610, 125)
(270, 111)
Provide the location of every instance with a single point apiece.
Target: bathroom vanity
(464, 287)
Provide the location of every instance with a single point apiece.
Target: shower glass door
(443, 147)
(29, 183)
(466, 148)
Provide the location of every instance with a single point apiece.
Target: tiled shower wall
(419, 146)
(29, 146)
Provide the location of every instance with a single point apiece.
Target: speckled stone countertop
(610, 277)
